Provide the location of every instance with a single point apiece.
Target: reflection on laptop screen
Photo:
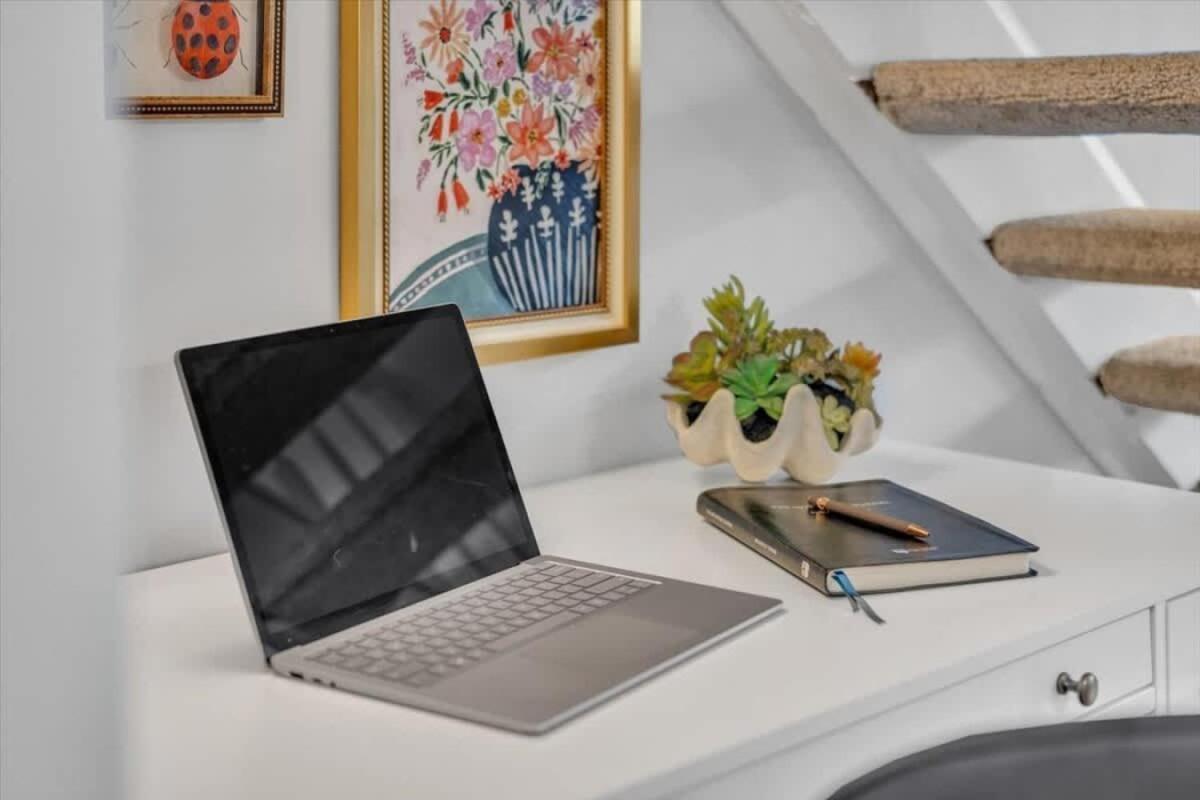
(359, 468)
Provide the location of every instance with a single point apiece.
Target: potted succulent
(765, 398)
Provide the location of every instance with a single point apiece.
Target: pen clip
(857, 601)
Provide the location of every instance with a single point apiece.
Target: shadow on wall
(936, 386)
(1005, 432)
(626, 424)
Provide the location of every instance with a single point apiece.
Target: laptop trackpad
(610, 643)
(567, 666)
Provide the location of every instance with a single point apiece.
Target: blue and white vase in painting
(543, 239)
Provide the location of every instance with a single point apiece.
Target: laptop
(382, 544)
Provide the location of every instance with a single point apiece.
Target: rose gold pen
(872, 518)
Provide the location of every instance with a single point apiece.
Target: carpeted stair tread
(1163, 374)
(1157, 93)
(1135, 245)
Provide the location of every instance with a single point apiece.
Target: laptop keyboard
(423, 648)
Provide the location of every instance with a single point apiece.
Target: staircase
(973, 119)
(1133, 245)
(1077, 96)
(1160, 374)
(1043, 96)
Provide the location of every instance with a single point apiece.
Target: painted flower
(541, 86)
(584, 125)
(454, 70)
(495, 191)
(441, 205)
(478, 15)
(423, 171)
(447, 39)
(519, 96)
(508, 19)
(435, 133)
(558, 51)
(410, 51)
(564, 90)
(589, 81)
(510, 181)
(432, 99)
(587, 43)
(591, 157)
(529, 135)
(476, 139)
(857, 355)
(499, 63)
(415, 75)
(562, 160)
(461, 198)
(503, 107)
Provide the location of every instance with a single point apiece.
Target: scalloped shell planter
(798, 444)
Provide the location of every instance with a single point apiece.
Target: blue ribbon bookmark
(857, 601)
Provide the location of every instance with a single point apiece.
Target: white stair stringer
(791, 41)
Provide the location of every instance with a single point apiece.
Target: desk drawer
(1119, 655)
(1019, 694)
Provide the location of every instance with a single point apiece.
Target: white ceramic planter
(798, 444)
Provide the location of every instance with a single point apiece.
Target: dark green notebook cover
(775, 522)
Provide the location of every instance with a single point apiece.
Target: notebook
(820, 549)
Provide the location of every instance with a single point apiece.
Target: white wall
(62, 456)
(737, 177)
(233, 225)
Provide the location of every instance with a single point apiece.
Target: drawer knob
(1087, 687)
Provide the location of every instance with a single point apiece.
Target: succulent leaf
(696, 371)
(742, 350)
(836, 420)
(744, 407)
(864, 360)
(756, 383)
(816, 343)
(792, 343)
(742, 330)
(784, 381)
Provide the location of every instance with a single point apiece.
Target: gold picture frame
(367, 190)
(266, 99)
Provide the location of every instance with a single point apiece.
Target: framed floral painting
(194, 58)
(489, 159)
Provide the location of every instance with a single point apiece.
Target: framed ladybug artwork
(194, 58)
(490, 159)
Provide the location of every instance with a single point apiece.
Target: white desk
(793, 708)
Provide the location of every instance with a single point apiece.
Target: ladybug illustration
(205, 36)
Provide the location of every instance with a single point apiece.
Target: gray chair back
(1123, 759)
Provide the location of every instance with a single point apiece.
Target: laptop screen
(359, 468)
